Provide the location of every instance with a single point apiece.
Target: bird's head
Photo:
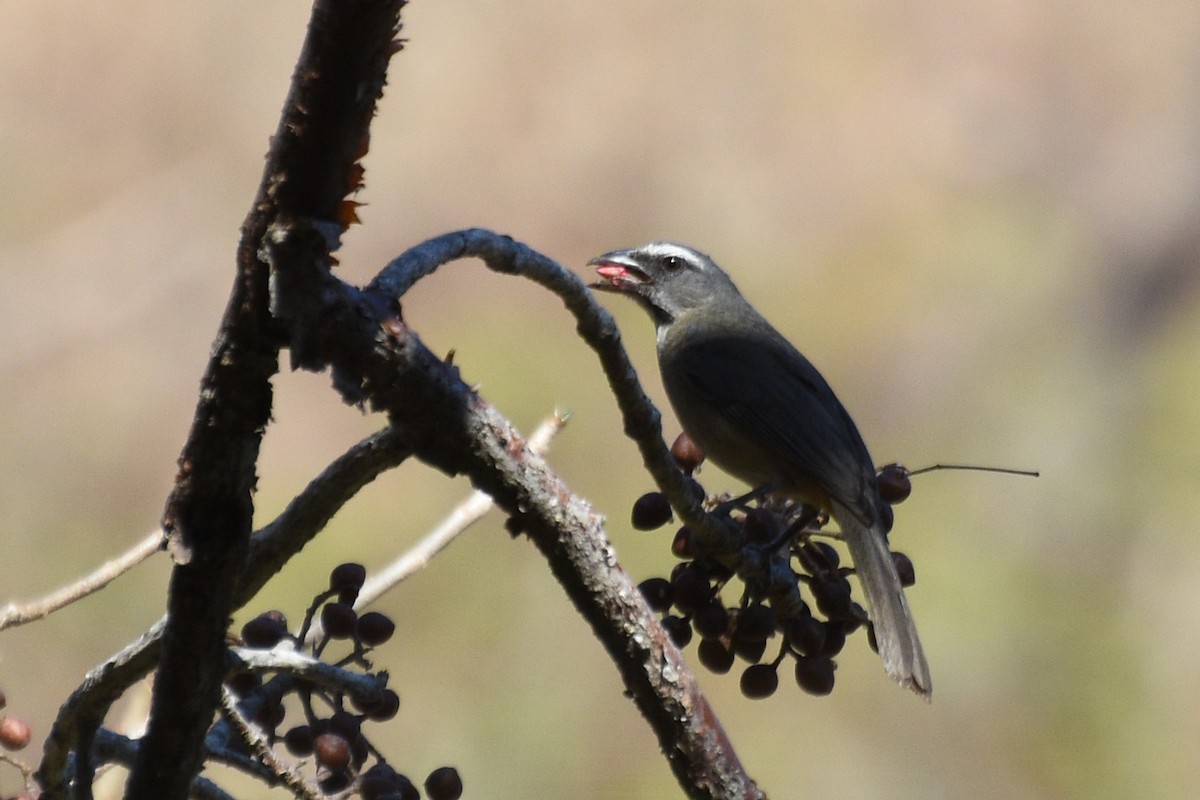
(667, 279)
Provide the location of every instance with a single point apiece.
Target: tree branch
(310, 169)
(378, 360)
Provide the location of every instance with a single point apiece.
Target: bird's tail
(895, 631)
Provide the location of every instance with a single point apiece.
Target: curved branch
(308, 514)
(716, 538)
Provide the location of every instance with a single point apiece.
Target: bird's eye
(672, 263)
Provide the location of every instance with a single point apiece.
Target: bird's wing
(778, 398)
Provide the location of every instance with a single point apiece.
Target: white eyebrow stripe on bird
(660, 249)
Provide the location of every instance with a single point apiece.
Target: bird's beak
(619, 271)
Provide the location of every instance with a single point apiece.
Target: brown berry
(14, 733)
(270, 714)
(833, 597)
(894, 483)
(681, 545)
(360, 750)
(835, 638)
(819, 557)
(687, 453)
(332, 751)
(405, 790)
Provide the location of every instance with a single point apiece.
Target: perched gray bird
(762, 412)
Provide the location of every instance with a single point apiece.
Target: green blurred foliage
(980, 221)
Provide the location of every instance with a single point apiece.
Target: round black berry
(805, 634)
(264, 631)
(815, 675)
(651, 510)
(756, 622)
(678, 629)
(894, 483)
(444, 784)
(711, 619)
(347, 576)
(715, 656)
(905, 569)
(374, 628)
(339, 620)
(657, 592)
(759, 681)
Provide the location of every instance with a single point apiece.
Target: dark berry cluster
(331, 732)
(699, 599)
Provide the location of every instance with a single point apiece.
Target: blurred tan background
(979, 219)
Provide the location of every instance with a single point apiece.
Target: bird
(763, 413)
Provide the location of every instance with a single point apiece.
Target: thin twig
(25, 770)
(14, 614)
